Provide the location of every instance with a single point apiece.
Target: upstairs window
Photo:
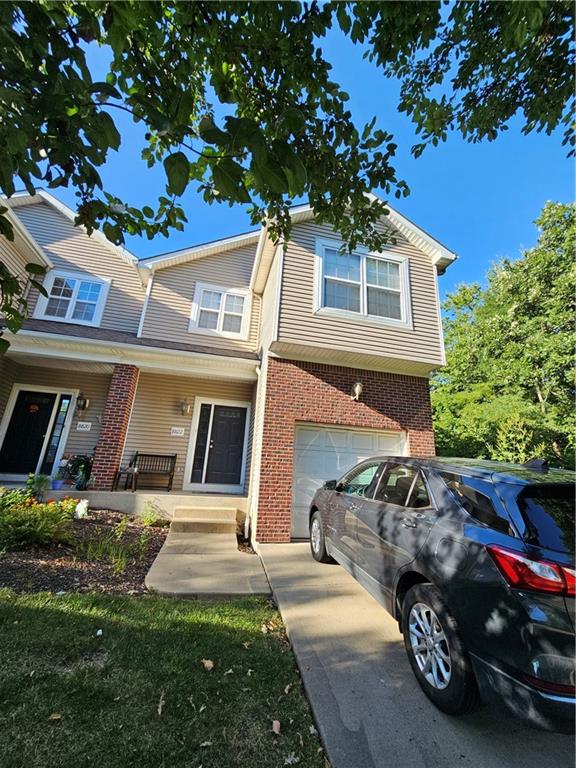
(364, 284)
(73, 298)
(221, 311)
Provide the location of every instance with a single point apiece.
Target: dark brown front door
(26, 432)
(219, 450)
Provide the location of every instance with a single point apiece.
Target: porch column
(114, 426)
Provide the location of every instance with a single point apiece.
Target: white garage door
(326, 453)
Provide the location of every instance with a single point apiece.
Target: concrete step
(200, 544)
(203, 525)
(190, 513)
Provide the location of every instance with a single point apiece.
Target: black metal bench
(154, 464)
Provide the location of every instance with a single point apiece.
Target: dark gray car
(476, 562)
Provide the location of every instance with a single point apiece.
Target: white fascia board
(96, 350)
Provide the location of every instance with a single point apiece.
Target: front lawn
(110, 681)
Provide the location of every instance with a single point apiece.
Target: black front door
(219, 445)
(26, 432)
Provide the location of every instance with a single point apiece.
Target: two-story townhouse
(265, 369)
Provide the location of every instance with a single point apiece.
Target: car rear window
(548, 511)
(472, 496)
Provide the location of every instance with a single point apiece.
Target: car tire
(436, 652)
(317, 540)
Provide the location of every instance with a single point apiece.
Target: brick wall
(114, 426)
(311, 392)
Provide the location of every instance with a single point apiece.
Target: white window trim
(362, 317)
(42, 303)
(246, 312)
(5, 422)
(214, 487)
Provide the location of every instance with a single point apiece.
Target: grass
(137, 694)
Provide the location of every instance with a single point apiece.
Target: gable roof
(23, 198)
(209, 248)
(441, 256)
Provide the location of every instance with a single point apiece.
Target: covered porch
(67, 397)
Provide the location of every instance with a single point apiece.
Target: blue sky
(478, 199)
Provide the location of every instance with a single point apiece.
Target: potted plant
(38, 485)
(77, 471)
(58, 481)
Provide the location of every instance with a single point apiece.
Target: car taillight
(570, 578)
(539, 575)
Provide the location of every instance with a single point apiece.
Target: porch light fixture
(356, 391)
(185, 408)
(82, 403)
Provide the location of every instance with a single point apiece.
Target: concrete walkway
(205, 565)
(368, 706)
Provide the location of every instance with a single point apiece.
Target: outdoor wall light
(356, 391)
(185, 408)
(82, 403)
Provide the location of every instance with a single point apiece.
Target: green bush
(25, 522)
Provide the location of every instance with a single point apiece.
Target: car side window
(396, 484)
(477, 504)
(419, 497)
(357, 482)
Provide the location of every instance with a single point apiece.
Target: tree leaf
(177, 170)
(211, 134)
(107, 126)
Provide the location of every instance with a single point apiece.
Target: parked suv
(475, 560)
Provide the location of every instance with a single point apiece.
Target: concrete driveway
(368, 706)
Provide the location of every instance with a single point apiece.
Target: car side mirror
(331, 485)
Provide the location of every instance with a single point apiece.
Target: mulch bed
(59, 568)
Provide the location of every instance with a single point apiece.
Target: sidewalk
(205, 565)
(368, 706)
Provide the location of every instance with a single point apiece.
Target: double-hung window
(73, 298)
(221, 311)
(371, 285)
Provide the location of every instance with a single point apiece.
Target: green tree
(237, 100)
(508, 387)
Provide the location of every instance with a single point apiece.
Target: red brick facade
(311, 392)
(114, 426)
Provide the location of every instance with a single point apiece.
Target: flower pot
(57, 485)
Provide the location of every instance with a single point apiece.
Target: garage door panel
(325, 453)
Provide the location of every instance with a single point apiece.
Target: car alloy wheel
(315, 535)
(430, 646)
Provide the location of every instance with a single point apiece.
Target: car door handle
(407, 522)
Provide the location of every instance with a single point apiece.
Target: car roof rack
(539, 465)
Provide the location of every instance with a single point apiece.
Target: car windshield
(548, 511)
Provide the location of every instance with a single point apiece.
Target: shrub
(25, 522)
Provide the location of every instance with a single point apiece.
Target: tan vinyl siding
(94, 386)
(157, 409)
(172, 295)
(13, 259)
(298, 324)
(71, 249)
